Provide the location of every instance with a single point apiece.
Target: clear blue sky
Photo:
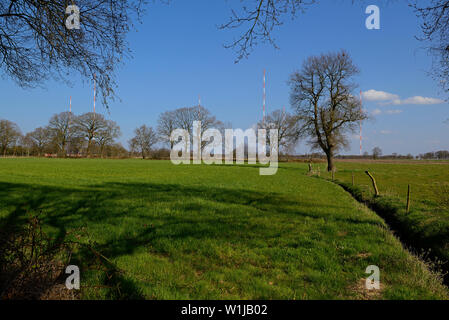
(178, 53)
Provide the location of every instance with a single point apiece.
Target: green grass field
(213, 232)
(427, 224)
(426, 180)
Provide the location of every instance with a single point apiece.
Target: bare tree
(9, 134)
(27, 144)
(183, 118)
(107, 135)
(321, 94)
(165, 126)
(88, 126)
(35, 42)
(76, 144)
(208, 120)
(144, 139)
(377, 152)
(435, 28)
(287, 126)
(60, 127)
(40, 137)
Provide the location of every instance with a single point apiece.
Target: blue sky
(178, 54)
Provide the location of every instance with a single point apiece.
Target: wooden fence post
(376, 191)
(408, 199)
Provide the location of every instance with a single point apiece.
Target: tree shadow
(191, 215)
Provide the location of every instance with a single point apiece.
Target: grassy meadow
(426, 226)
(214, 232)
(428, 181)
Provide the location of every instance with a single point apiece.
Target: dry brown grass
(362, 293)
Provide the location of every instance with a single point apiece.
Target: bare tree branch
(36, 45)
(435, 31)
(259, 20)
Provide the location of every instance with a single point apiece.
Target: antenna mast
(361, 110)
(199, 107)
(68, 150)
(95, 89)
(264, 96)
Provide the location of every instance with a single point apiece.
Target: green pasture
(214, 232)
(426, 225)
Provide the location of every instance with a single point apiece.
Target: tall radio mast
(95, 89)
(361, 110)
(264, 95)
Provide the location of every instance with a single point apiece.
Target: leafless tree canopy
(165, 126)
(143, 141)
(435, 28)
(9, 134)
(40, 137)
(287, 126)
(322, 95)
(72, 134)
(61, 130)
(88, 126)
(35, 43)
(106, 135)
(183, 118)
(377, 152)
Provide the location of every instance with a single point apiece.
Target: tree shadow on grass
(156, 211)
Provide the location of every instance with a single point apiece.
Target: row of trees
(146, 137)
(438, 155)
(90, 134)
(66, 134)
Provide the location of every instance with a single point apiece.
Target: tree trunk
(89, 148)
(63, 151)
(330, 161)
